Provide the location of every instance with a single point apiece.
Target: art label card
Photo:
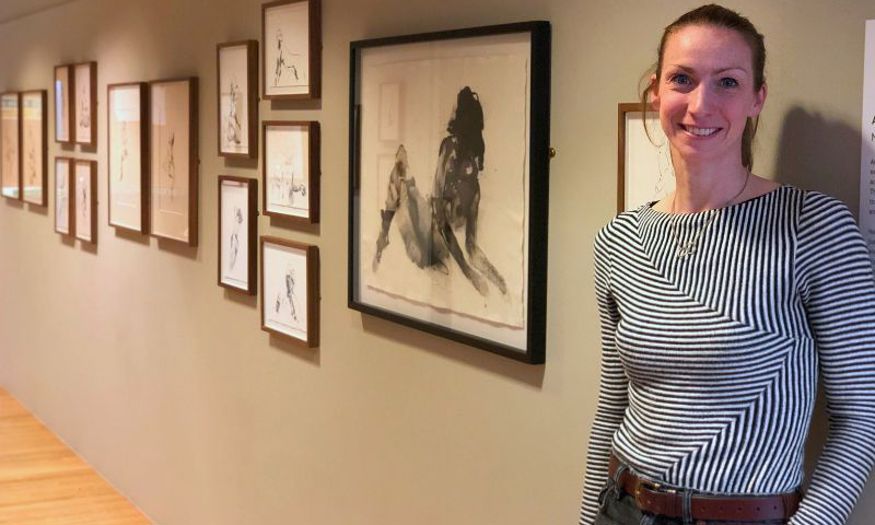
(127, 141)
(10, 167)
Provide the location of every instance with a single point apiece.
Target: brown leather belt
(650, 497)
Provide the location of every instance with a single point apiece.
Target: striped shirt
(710, 361)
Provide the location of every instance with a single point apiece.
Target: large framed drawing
(128, 156)
(174, 160)
(85, 103)
(238, 228)
(63, 104)
(644, 170)
(33, 147)
(237, 88)
(449, 161)
(291, 170)
(85, 199)
(10, 145)
(65, 214)
(291, 33)
(290, 290)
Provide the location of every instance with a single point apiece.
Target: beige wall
(164, 381)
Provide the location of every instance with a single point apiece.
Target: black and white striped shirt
(710, 362)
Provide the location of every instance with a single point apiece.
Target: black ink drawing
(427, 225)
(280, 65)
(233, 129)
(234, 243)
(83, 199)
(170, 166)
(283, 182)
(289, 297)
(84, 110)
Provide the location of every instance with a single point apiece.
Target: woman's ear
(759, 100)
(653, 93)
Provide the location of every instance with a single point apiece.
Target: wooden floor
(44, 482)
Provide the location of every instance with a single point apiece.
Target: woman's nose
(700, 99)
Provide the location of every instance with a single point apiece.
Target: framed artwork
(291, 33)
(290, 290)
(449, 170)
(33, 147)
(238, 101)
(173, 142)
(85, 199)
(65, 215)
(10, 145)
(128, 156)
(85, 103)
(64, 129)
(291, 170)
(238, 228)
(644, 168)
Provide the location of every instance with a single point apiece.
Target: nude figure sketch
(234, 242)
(280, 65)
(287, 296)
(233, 128)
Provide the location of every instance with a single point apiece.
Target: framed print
(63, 104)
(65, 215)
(33, 147)
(291, 33)
(85, 103)
(238, 228)
(290, 290)
(291, 170)
(238, 101)
(128, 156)
(85, 191)
(449, 170)
(10, 145)
(174, 160)
(644, 168)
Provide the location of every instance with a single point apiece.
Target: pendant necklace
(685, 249)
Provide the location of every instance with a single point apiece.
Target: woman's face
(706, 93)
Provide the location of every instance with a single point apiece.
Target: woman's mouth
(699, 132)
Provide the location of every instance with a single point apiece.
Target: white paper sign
(867, 157)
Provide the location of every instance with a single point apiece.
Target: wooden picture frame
(291, 33)
(127, 156)
(237, 96)
(284, 311)
(238, 230)
(291, 170)
(65, 184)
(85, 187)
(63, 98)
(10, 145)
(34, 150)
(449, 184)
(85, 104)
(173, 163)
(644, 168)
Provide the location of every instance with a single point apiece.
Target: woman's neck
(707, 185)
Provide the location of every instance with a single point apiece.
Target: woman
(719, 306)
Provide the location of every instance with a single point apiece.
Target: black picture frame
(467, 281)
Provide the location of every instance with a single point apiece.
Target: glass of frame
(128, 156)
(10, 145)
(449, 184)
(291, 170)
(65, 215)
(85, 188)
(174, 159)
(238, 228)
(33, 147)
(291, 32)
(63, 104)
(644, 169)
(85, 103)
(238, 101)
(290, 290)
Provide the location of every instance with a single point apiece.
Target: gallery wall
(164, 381)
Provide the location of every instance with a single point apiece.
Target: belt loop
(617, 488)
(688, 507)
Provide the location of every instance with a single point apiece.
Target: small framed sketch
(644, 168)
(290, 290)
(238, 228)
(33, 147)
(10, 145)
(292, 39)
(85, 198)
(65, 214)
(291, 170)
(85, 103)
(173, 142)
(238, 101)
(128, 156)
(63, 104)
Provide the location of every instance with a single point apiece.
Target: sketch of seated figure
(233, 129)
(287, 296)
(280, 64)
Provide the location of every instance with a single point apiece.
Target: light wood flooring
(43, 482)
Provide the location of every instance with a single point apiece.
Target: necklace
(685, 249)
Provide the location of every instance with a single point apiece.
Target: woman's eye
(680, 79)
(728, 82)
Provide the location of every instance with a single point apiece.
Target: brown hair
(719, 16)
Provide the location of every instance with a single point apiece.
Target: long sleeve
(835, 279)
(613, 397)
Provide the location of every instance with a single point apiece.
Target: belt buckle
(656, 487)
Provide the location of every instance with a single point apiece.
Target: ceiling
(14, 9)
